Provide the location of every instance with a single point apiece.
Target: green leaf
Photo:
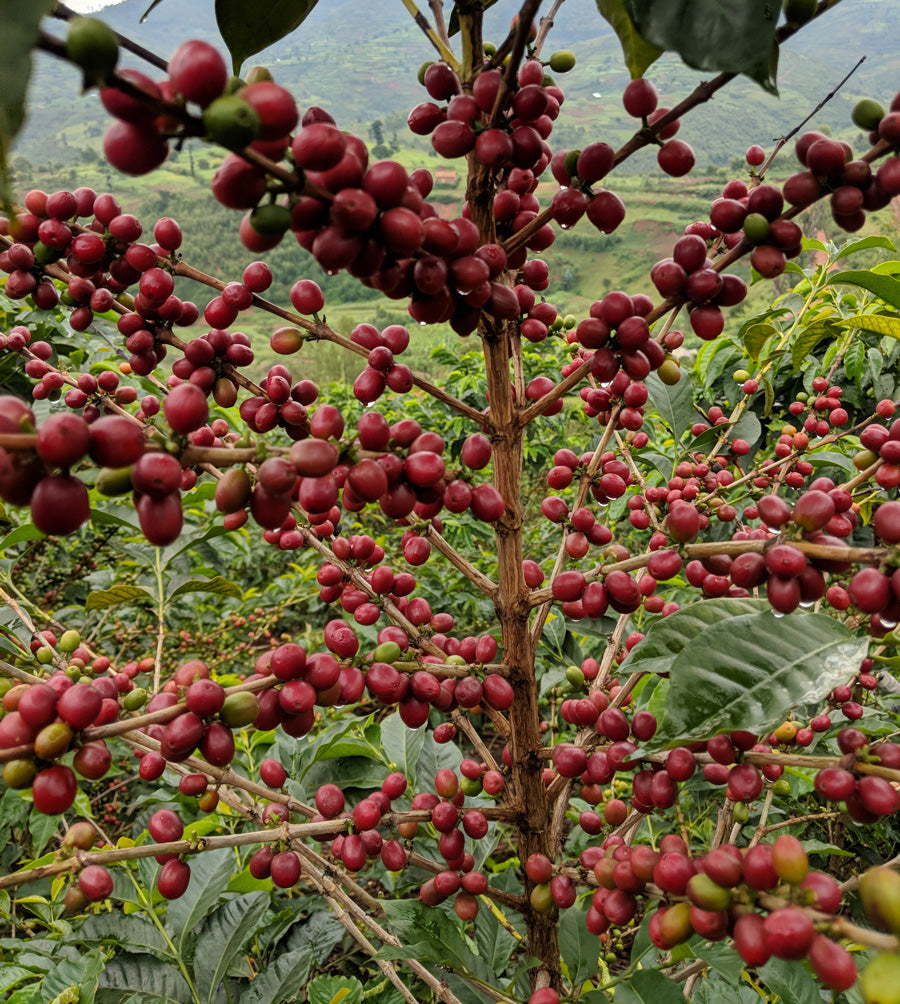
(714, 991)
(807, 340)
(250, 28)
(346, 772)
(11, 975)
(578, 947)
(319, 933)
(142, 974)
(674, 404)
(879, 323)
(883, 286)
(351, 738)
(218, 584)
(731, 36)
(639, 53)
(335, 990)
(720, 957)
(434, 757)
(769, 392)
(224, 935)
(792, 983)
(495, 944)
(402, 745)
(863, 244)
(855, 360)
(745, 672)
(667, 637)
(755, 337)
(747, 427)
(21, 533)
(102, 599)
(83, 975)
(131, 932)
(649, 986)
(42, 828)
(26, 995)
(209, 878)
(435, 936)
(829, 458)
(21, 23)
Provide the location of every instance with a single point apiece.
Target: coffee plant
(561, 675)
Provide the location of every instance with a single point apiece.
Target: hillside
(60, 146)
(352, 57)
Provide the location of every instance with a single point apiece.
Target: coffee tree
(676, 548)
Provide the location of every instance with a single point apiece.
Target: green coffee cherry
(92, 45)
(562, 61)
(229, 120)
(69, 641)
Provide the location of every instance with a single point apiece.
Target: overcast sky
(84, 6)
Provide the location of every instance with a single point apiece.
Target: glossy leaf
(649, 986)
(855, 359)
(210, 872)
(720, 957)
(335, 990)
(675, 403)
(769, 395)
(863, 244)
(792, 983)
(133, 933)
(224, 935)
(639, 53)
(82, 975)
(103, 599)
(401, 744)
(883, 286)
(755, 337)
(26, 532)
(731, 36)
(667, 637)
(12, 975)
(435, 934)
(746, 671)
(495, 944)
(318, 933)
(42, 828)
(250, 28)
(879, 324)
(808, 339)
(217, 584)
(715, 991)
(129, 974)
(578, 947)
(747, 427)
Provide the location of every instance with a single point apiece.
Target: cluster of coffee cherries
(382, 371)
(48, 719)
(758, 215)
(116, 443)
(690, 273)
(852, 186)
(192, 100)
(399, 466)
(867, 797)
(103, 257)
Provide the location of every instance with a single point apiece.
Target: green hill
(353, 57)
